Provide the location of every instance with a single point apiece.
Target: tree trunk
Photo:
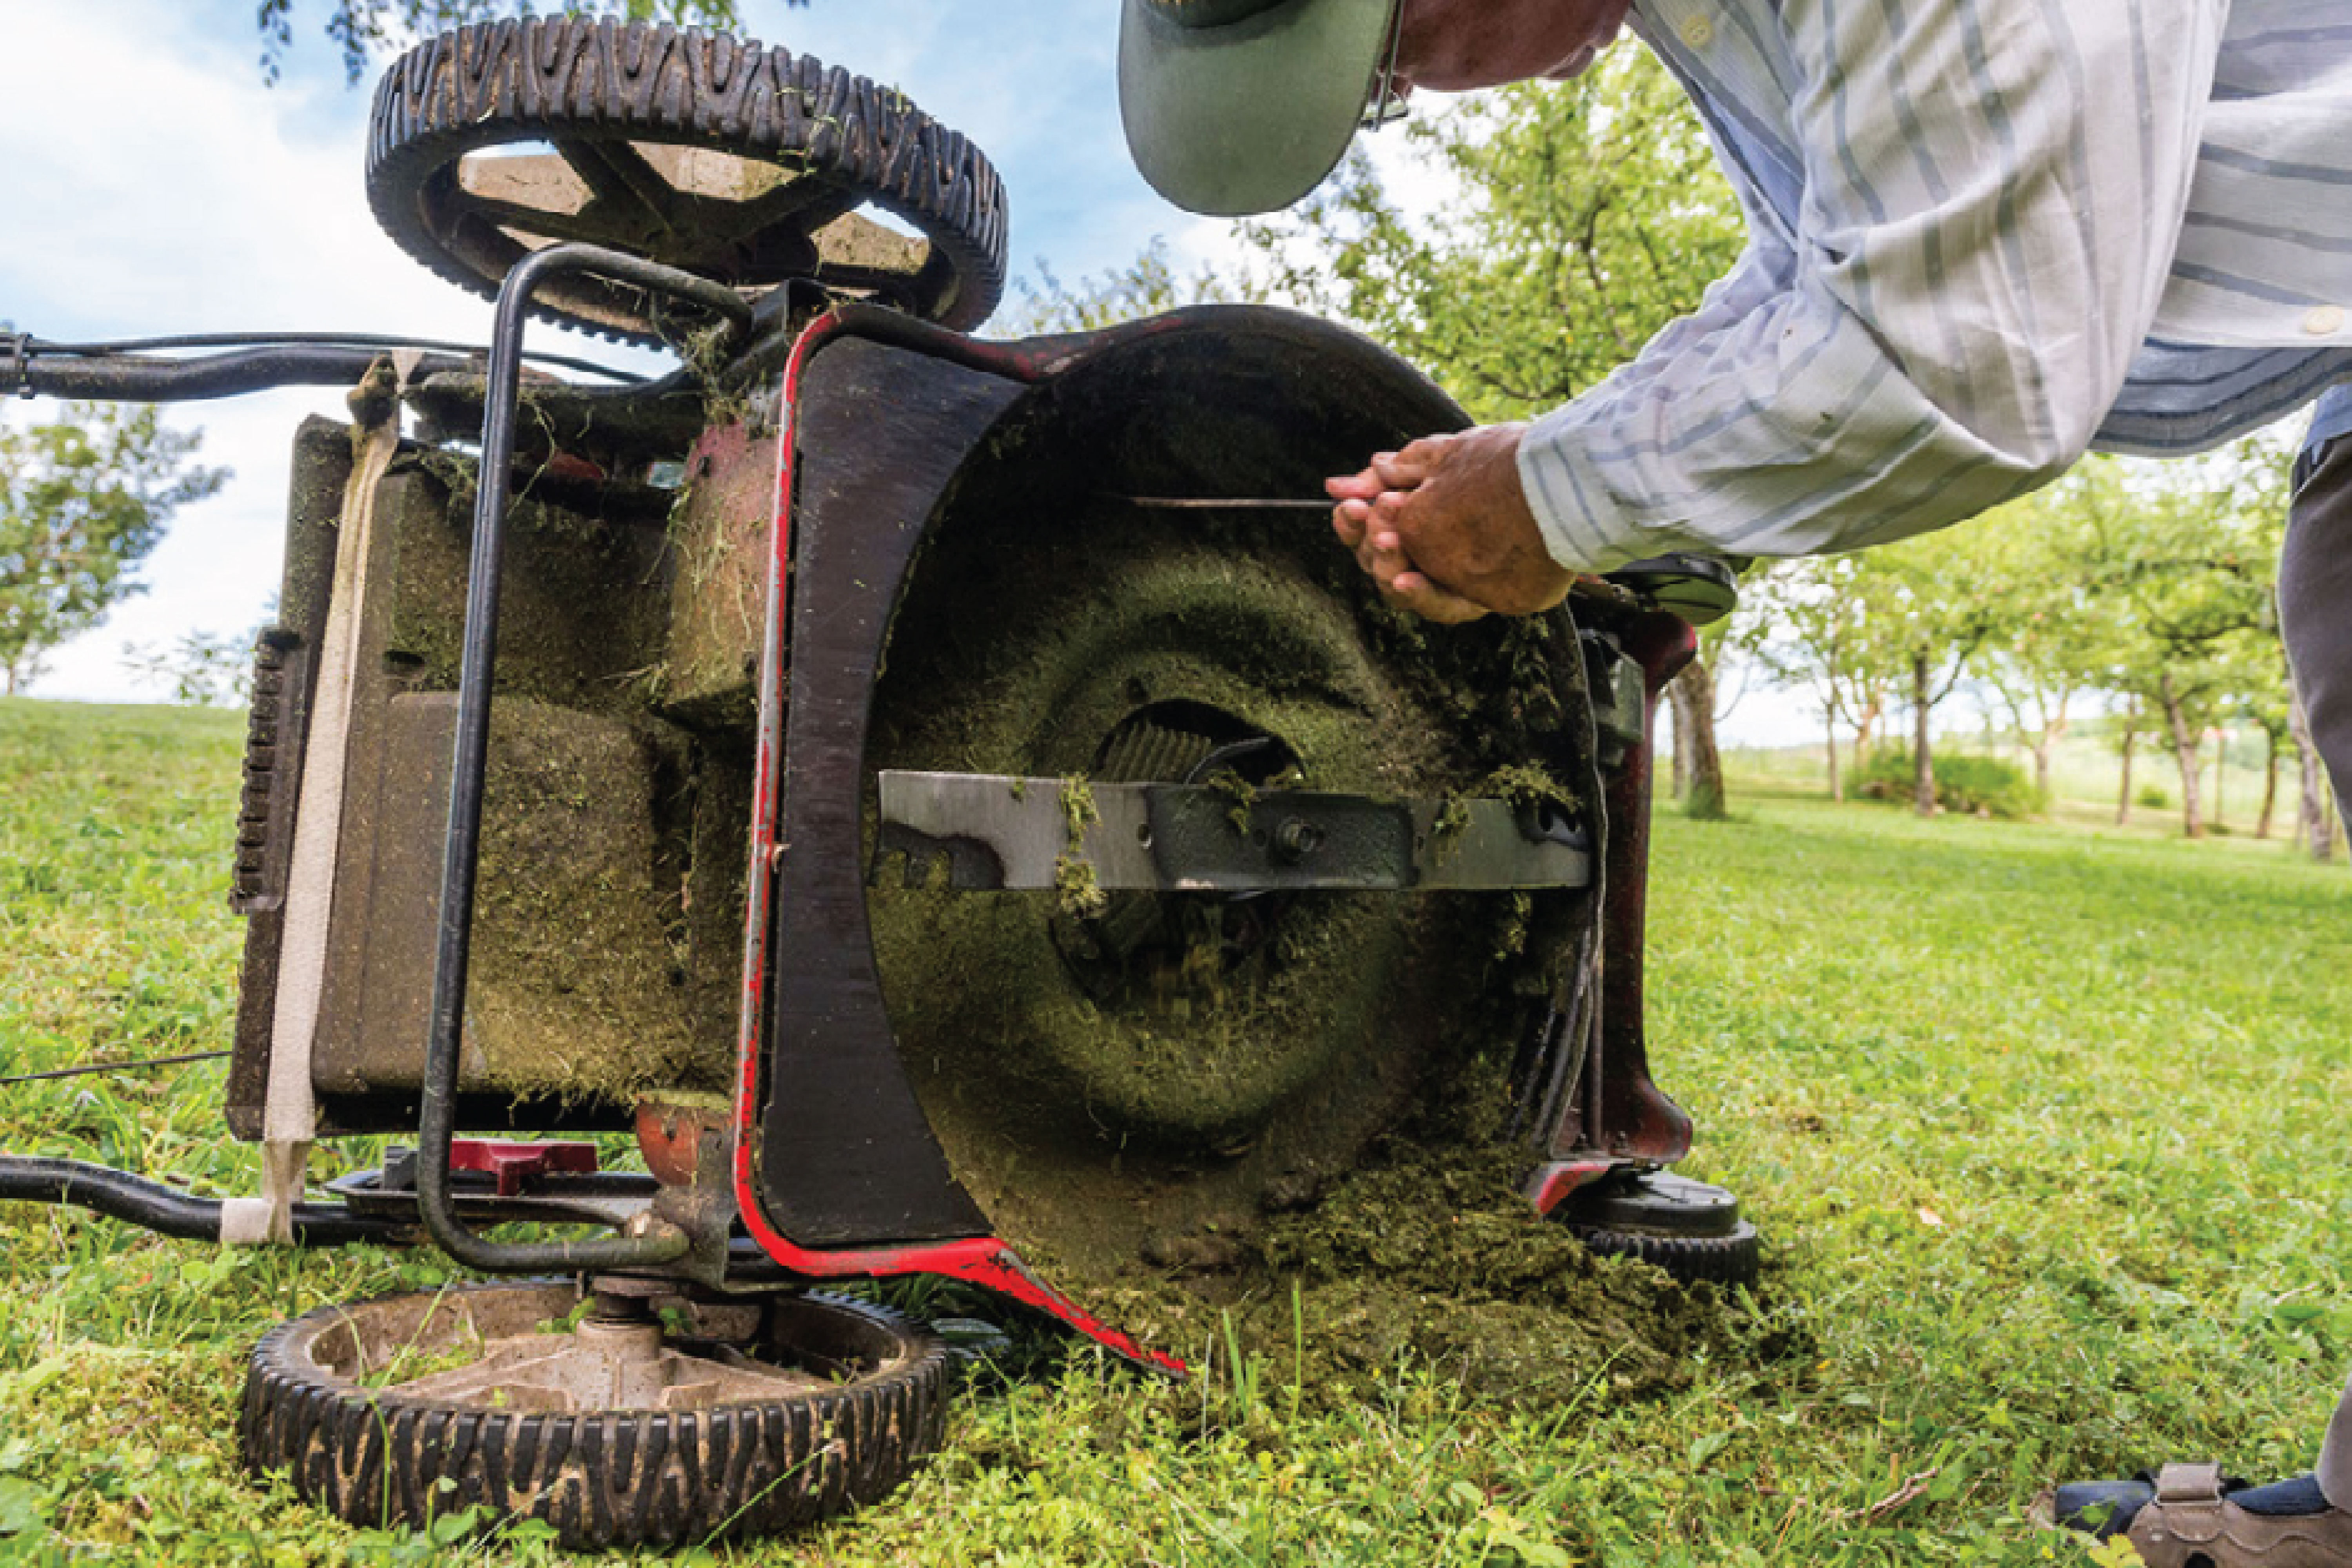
(1923, 760)
(2053, 731)
(1679, 715)
(2184, 751)
(1697, 684)
(1866, 727)
(1829, 723)
(2220, 762)
(2270, 787)
(2131, 740)
(2313, 827)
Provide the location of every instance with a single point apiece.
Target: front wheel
(756, 1418)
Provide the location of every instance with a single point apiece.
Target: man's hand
(1444, 530)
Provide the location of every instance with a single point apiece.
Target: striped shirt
(1984, 236)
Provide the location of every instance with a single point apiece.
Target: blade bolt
(1295, 840)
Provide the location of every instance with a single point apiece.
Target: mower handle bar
(168, 1211)
(657, 1242)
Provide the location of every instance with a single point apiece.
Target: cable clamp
(16, 364)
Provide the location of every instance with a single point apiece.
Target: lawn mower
(914, 782)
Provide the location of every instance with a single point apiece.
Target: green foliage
(2154, 797)
(1975, 786)
(366, 30)
(2147, 585)
(202, 669)
(1149, 285)
(83, 499)
(1589, 214)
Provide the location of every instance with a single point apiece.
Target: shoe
(2191, 1516)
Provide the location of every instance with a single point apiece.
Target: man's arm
(1459, 500)
(1993, 193)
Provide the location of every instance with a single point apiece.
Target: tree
(1929, 598)
(1148, 286)
(364, 29)
(82, 502)
(205, 669)
(2044, 640)
(1811, 628)
(1691, 695)
(2264, 704)
(2183, 558)
(1587, 216)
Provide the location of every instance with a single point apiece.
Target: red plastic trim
(985, 1261)
(515, 1163)
(1551, 1184)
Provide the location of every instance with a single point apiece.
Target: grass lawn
(2040, 1124)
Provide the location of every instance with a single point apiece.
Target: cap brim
(1248, 117)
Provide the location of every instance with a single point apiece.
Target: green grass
(2041, 1125)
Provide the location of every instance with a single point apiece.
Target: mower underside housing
(971, 590)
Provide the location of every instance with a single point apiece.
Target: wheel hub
(1168, 953)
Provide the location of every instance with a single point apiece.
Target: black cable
(94, 1067)
(32, 345)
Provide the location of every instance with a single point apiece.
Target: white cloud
(191, 198)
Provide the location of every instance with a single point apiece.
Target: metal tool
(1226, 503)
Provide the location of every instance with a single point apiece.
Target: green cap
(1242, 106)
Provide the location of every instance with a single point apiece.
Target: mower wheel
(1726, 1261)
(830, 1408)
(744, 164)
(1688, 1228)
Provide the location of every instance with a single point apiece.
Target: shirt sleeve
(1993, 190)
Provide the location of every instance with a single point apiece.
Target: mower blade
(988, 833)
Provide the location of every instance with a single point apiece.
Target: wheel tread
(602, 1479)
(1728, 1261)
(544, 76)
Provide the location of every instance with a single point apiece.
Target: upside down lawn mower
(901, 776)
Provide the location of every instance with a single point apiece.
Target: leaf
(452, 1528)
(2117, 1552)
(20, 1505)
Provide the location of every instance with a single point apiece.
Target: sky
(188, 196)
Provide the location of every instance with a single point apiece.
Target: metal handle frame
(659, 1243)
